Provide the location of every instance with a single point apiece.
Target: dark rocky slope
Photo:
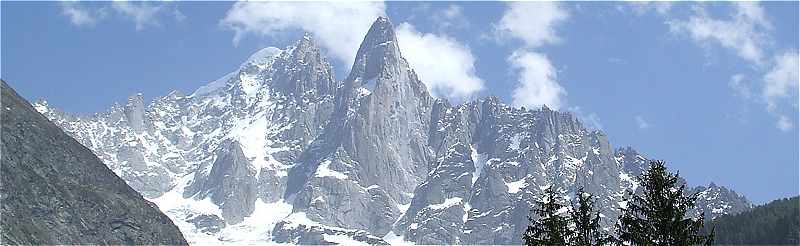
(55, 191)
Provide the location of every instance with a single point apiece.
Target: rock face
(279, 150)
(134, 112)
(55, 191)
(231, 183)
(714, 201)
(287, 232)
(375, 144)
(492, 160)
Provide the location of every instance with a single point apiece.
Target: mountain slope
(278, 150)
(775, 223)
(55, 191)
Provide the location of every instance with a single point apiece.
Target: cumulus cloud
(446, 66)
(339, 26)
(744, 32)
(537, 81)
(532, 22)
(641, 122)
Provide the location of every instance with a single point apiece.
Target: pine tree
(775, 223)
(587, 229)
(658, 216)
(548, 228)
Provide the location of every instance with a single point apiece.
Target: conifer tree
(658, 215)
(587, 230)
(548, 227)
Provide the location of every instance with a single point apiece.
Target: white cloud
(443, 64)
(78, 15)
(748, 33)
(784, 123)
(446, 66)
(143, 14)
(782, 80)
(339, 26)
(641, 122)
(590, 120)
(532, 22)
(179, 16)
(453, 12)
(739, 87)
(450, 18)
(537, 81)
(781, 83)
(744, 32)
(660, 7)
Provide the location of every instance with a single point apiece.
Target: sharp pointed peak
(381, 30)
(306, 40)
(378, 51)
(382, 21)
(308, 35)
(304, 44)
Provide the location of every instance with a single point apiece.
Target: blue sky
(709, 87)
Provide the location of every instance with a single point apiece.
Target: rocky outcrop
(230, 183)
(714, 201)
(134, 112)
(207, 223)
(287, 232)
(55, 191)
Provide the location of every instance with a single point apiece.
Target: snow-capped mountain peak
(368, 159)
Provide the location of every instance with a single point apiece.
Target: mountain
(775, 223)
(55, 191)
(712, 200)
(279, 150)
(716, 201)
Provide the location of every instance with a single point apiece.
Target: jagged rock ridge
(373, 158)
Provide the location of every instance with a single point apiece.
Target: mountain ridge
(373, 158)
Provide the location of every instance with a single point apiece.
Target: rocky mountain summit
(279, 150)
(55, 191)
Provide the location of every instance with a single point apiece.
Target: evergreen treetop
(587, 230)
(548, 227)
(658, 215)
